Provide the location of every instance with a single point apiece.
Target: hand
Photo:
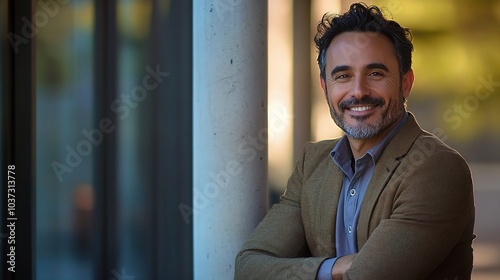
(341, 266)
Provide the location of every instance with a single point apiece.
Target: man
(386, 201)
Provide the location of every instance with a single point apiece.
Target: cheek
(388, 90)
(391, 85)
(335, 94)
(332, 99)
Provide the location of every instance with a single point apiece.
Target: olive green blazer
(416, 220)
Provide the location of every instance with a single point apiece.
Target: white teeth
(362, 108)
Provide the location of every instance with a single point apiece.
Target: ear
(407, 83)
(323, 84)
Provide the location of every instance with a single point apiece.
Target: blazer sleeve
(277, 248)
(432, 212)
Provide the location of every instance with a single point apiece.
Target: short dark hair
(361, 18)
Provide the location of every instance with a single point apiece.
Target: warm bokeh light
(84, 197)
(130, 17)
(322, 126)
(280, 92)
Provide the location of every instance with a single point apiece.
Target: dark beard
(389, 116)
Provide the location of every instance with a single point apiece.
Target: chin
(363, 131)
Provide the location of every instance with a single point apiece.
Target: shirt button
(349, 229)
(352, 192)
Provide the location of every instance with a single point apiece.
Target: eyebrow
(370, 66)
(377, 66)
(339, 68)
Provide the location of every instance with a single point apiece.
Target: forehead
(360, 48)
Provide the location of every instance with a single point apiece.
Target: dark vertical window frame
(19, 131)
(155, 141)
(3, 127)
(172, 46)
(7, 130)
(171, 141)
(301, 76)
(105, 172)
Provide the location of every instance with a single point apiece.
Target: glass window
(134, 140)
(65, 142)
(88, 227)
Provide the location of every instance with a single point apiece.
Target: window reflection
(134, 163)
(136, 235)
(64, 155)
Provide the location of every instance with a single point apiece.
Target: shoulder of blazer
(318, 152)
(315, 152)
(412, 138)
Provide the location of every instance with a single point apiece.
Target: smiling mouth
(361, 108)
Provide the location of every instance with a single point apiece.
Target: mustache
(365, 100)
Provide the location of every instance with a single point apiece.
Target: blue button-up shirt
(353, 190)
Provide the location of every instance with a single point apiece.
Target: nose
(359, 88)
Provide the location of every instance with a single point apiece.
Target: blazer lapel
(381, 175)
(384, 169)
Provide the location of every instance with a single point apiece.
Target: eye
(341, 77)
(376, 74)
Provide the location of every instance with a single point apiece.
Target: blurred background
(117, 202)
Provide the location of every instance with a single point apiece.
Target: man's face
(363, 86)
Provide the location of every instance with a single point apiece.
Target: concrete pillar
(229, 130)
